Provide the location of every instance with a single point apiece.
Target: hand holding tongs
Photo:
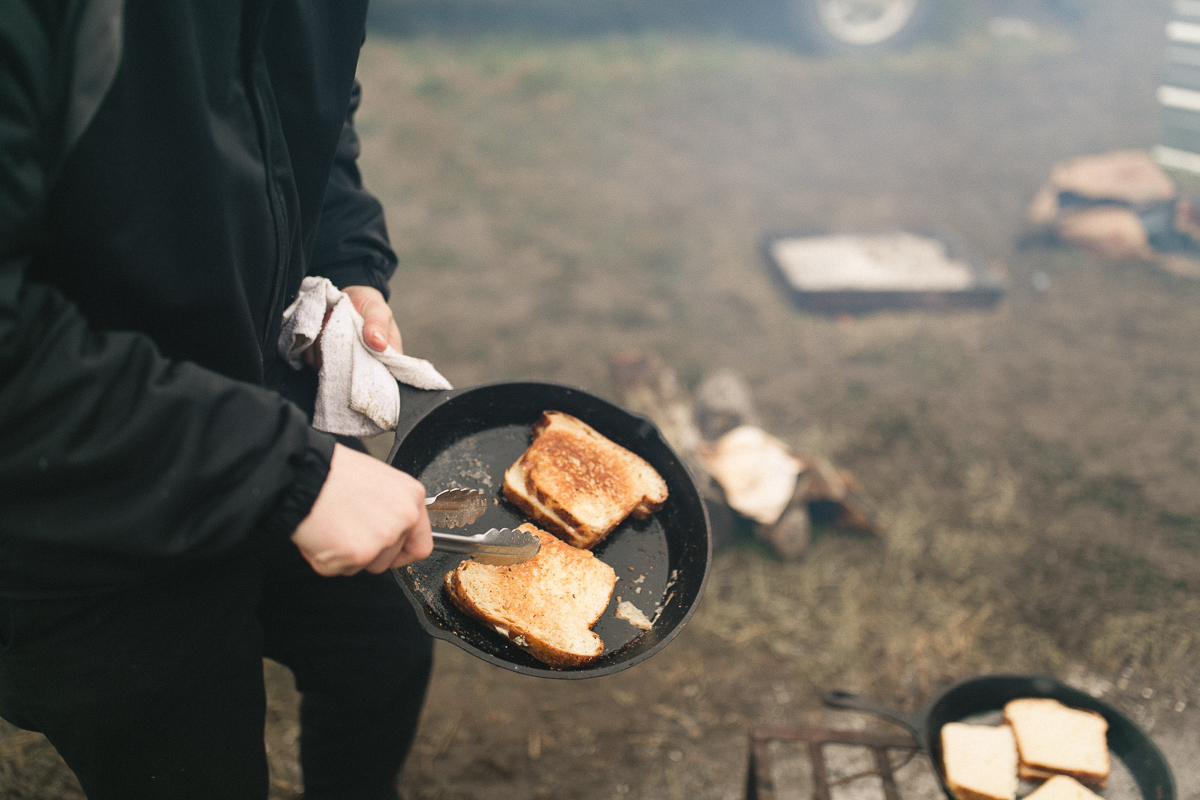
(499, 546)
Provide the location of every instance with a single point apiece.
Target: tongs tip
(454, 508)
(497, 546)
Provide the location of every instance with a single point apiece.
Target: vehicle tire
(859, 26)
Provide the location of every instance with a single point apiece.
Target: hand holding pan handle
(853, 702)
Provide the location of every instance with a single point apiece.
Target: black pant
(157, 692)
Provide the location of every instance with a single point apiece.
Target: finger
(324, 564)
(377, 316)
(386, 559)
(418, 546)
(377, 322)
(415, 542)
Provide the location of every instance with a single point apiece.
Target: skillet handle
(854, 702)
(414, 404)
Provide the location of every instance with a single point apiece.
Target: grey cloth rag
(357, 393)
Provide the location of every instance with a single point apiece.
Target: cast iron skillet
(976, 697)
(467, 438)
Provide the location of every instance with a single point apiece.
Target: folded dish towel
(357, 394)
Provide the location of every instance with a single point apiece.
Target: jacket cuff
(364, 272)
(311, 468)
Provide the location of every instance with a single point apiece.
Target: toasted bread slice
(980, 761)
(1062, 787)
(546, 605)
(1054, 739)
(518, 494)
(580, 485)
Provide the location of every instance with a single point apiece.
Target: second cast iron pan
(980, 698)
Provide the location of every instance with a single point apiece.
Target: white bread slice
(980, 761)
(578, 484)
(1062, 787)
(546, 605)
(1054, 739)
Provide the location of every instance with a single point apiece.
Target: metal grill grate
(760, 778)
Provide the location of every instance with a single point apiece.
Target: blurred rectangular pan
(983, 287)
(467, 438)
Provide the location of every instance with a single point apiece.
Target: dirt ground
(555, 200)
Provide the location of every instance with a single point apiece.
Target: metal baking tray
(855, 273)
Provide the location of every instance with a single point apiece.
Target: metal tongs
(498, 546)
(455, 508)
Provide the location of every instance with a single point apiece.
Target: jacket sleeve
(104, 443)
(352, 246)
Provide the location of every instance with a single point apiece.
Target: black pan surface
(980, 698)
(468, 438)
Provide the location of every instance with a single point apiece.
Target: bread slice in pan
(1062, 787)
(578, 484)
(546, 605)
(1054, 739)
(980, 761)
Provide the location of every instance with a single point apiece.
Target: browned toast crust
(578, 484)
(515, 491)
(1030, 773)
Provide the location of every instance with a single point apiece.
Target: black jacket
(169, 172)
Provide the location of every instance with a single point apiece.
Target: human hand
(368, 515)
(379, 324)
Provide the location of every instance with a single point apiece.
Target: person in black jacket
(170, 170)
